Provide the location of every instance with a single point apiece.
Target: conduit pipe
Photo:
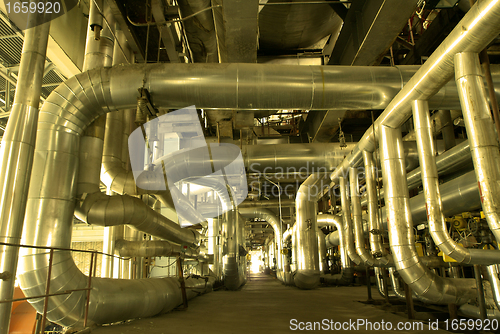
(426, 284)
(307, 275)
(273, 220)
(473, 33)
(347, 271)
(433, 203)
(357, 221)
(17, 156)
(348, 227)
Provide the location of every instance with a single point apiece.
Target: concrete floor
(264, 305)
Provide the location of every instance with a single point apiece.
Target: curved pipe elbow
(306, 279)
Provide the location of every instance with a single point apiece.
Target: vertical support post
(452, 310)
(480, 291)
(368, 284)
(386, 288)
(181, 280)
(47, 292)
(409, 302)
(89, 287)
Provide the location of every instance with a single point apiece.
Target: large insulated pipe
(374, 228)
(347, 271)
(347, 226)
(357, 221)
(473, 33)
(483, 146)
(458, 195)
(433, 203)
(481, 135)
(103, 210)
(307, 275)
(452, 160)
(152, 248)
(17, 158)
(421, 280)
(274, 221)
(321, 249)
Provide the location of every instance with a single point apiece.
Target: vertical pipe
(399, 222)
(348, 228)
(448, 130)
(481, 135)
(16, 155)
(7, 93)
(480, 291)
(371, 175)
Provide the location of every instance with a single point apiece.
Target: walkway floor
(264, 305)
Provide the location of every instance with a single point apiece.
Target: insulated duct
(307, 275)
(374, 228)
(426, 284)
(273, 220)
(103, 210)
(348, 228)
(347, 273)
(17, 156)
(357, 221)
(473, 33)
(481, 135)
(433, 204)
(152, 248)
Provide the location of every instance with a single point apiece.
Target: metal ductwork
(426, 284)
(152, 248)
(347, 273)
(374, 226)
(347, 226)
(436, 219)
(17, 157)
(481, 135)
(275, 223)
(307, 275)
(103, 210)
(475, 31)
(452, 160)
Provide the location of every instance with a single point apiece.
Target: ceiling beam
(370, 28)
(167, 37)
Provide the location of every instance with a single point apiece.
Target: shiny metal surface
(474, 32)
(433, 202)
(153, 248)
(274, 221)
(494, 279)
(294, 159)
(321, 249)
(481, 135)
(335, 221)
(348, 226)
(357, 221)
(103, 210)
(422, 281)
(307, 274)
(264, 86)
(268, 204)
(396, 286)
(371, 177)
(16, 154)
